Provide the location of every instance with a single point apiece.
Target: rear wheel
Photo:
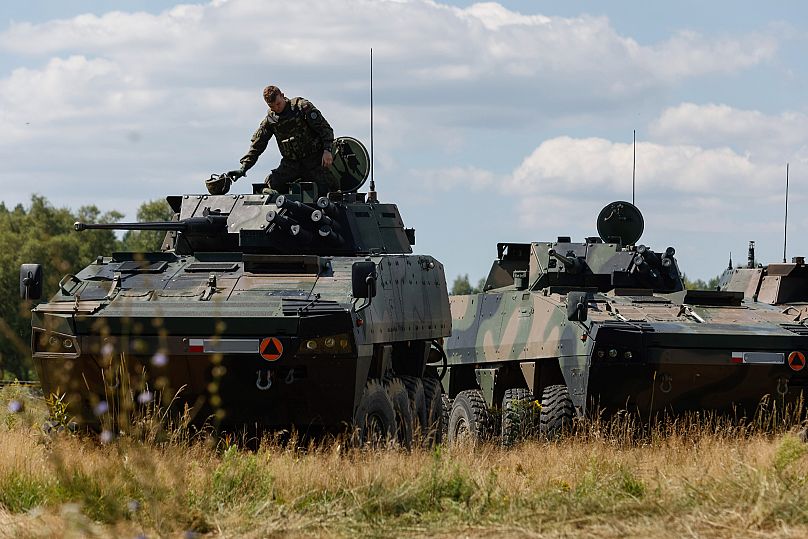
(446, 410)
(518, 417)
(403, 412)
(417, 395)
(557, 411)
(469, 418)
(433, 433)
(375, 417)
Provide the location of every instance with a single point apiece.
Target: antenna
(785, 225)
(372, 193)
(634, 168)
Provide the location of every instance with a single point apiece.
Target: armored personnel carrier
(296, 310)
(606, 325)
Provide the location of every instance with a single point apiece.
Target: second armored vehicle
(297, 310)
(607, 325)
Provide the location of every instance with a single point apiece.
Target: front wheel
(469, 418)
(375, 417)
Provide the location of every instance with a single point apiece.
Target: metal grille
(799, 329)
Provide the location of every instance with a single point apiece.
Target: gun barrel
(210, 224)
(79, 226)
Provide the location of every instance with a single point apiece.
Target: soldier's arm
(320, 126)
(258, 144)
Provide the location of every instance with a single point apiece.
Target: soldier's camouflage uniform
(302, 135)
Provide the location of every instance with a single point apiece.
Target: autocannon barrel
(209, 224)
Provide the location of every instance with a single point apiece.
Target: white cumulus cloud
(767, 136)
(566, 164)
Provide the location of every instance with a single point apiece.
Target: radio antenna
(785, 224)
(372, 193)
(634, 168)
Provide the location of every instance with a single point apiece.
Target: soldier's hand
(236, 174)
(328, 159)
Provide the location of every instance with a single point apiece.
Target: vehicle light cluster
(330, 344)
(46, 342)
(615, 354)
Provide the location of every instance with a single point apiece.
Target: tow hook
(263, 386)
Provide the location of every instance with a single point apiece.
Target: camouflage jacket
(300, 130)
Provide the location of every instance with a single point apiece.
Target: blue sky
(507, 121)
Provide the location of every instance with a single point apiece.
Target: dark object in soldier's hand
(236, 174)
(219, 184)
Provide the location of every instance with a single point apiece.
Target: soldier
(304, 139)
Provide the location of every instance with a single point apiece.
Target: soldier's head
(275, 99)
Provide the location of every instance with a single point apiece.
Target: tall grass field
(690, 477)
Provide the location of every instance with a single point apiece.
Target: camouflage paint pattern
(188, 323)
(647, 345)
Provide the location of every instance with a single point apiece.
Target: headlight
(329, 345)
(615, 354)
(46, 344)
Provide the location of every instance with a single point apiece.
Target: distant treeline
(43, 234)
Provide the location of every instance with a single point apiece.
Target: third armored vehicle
(296, 310)
(606, 324)
(781, 286)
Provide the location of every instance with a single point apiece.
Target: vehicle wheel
(518, 419)
(417, 395)
(469, 418)
(375, 418)
(435, 421)
(557, 411)
(403, 412)
(446, 411)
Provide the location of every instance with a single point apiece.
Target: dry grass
(691, 478)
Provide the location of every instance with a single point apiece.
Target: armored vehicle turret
(606, 324)
(296, 310)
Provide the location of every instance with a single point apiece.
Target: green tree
(40, 234)
(462, 286)
(146, 240)
(700, 284)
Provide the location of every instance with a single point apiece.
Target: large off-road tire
(518, 416)
(433, 433)
(375, 417)
(557, 411)
(403, 412)
(416, 393)
(469, 418)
